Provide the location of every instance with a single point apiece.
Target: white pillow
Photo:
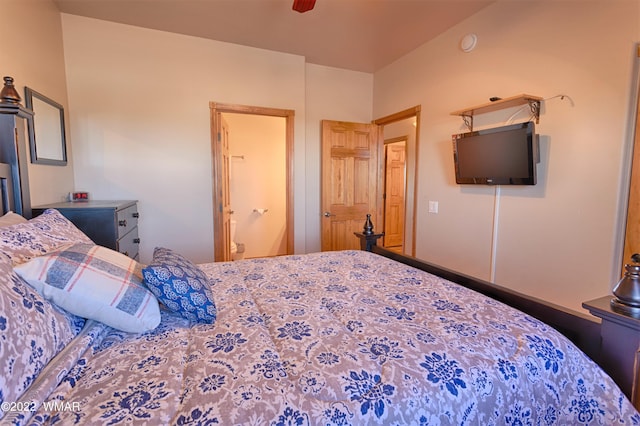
(94, 282)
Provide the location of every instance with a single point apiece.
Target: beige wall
(140, 122)
(331, 94)
(139, 118)
(258, 181)
(556, 240)
(32, 53)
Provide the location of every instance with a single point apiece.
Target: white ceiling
(361, 35)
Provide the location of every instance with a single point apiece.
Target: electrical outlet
(433, 207)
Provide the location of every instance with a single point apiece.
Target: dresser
(109, 223)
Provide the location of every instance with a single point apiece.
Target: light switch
(433, 207)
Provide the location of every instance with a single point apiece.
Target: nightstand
(620, 351)
(112, 224)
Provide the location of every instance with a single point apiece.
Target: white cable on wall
(494, 234)
(496, 200)
(522, 108)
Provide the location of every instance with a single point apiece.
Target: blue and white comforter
(338, 338)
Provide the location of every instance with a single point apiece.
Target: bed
(346, 337)
(89, 336)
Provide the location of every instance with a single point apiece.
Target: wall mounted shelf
(514, 101)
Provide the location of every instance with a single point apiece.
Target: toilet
(237, 250)
(234, 246)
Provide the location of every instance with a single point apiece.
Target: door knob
(328, 214)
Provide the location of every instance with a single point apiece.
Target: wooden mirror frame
(46, 130)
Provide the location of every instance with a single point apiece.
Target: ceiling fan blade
(303, 5)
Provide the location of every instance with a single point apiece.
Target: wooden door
(222, 198)
(350, 191)
(226, 188)
(394, 194)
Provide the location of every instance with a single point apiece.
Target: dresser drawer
(128, 245)
(127, 219)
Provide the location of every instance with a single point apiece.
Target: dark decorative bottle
(368, 226)
(9, 94)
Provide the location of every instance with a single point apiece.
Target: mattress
(334, 338)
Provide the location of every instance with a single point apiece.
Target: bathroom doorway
(252, 152)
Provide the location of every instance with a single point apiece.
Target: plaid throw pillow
(180, 285)
(94, 282)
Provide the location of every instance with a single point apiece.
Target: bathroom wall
(257, 145)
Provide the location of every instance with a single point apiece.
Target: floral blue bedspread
(339, 338)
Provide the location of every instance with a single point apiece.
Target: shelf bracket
(468, 121)
(534, 105)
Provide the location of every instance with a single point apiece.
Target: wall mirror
(46, 130)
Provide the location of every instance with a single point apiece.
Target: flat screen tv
(505, 155)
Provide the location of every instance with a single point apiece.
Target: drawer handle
(136, 240)
(136, 215)
(123, 222)
(126, 253)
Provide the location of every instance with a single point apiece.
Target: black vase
(368, 226)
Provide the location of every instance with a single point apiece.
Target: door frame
(216, 108)
(629, 211)
(399, 116)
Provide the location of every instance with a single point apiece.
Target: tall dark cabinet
(13, 150)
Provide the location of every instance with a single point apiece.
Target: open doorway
(400, 129)
(252, 188)
(353, 178)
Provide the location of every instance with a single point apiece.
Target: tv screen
(504, 155)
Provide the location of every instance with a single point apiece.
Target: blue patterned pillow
(180, 285)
